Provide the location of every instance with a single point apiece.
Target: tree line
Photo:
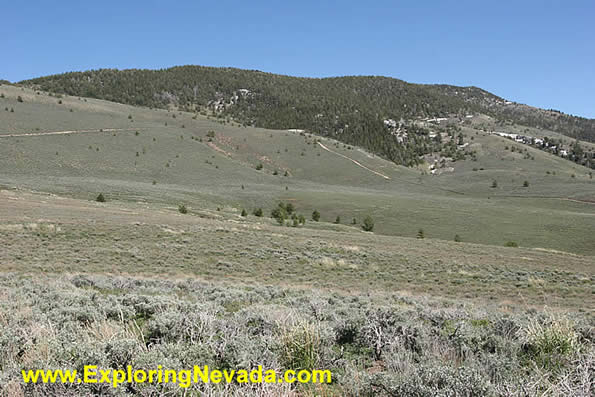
(350, 109)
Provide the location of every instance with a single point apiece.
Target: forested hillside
(350, 109)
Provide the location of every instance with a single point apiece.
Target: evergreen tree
(315, 216)
(289, 208)
(280, 213)
(368, 224)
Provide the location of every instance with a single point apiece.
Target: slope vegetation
(350, 109)
(173, 157)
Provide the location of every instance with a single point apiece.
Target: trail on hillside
(576, 200)
(354, 161)
(68, 132)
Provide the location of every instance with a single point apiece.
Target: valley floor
(44, 233)
(118, 283)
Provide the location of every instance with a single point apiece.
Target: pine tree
(315, 216)
(289, 208)
(368, 224)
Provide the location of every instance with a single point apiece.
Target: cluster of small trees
(285, 212)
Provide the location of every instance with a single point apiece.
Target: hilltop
(353, 109)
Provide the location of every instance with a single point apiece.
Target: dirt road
(67, 132)
(354, 161)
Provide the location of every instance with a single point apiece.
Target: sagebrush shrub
(300, 346)
(384, 344)
(552, 344)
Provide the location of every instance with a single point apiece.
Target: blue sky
(537, 52)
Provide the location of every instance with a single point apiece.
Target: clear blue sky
(537, 52)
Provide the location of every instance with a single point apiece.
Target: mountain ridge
(352, 109)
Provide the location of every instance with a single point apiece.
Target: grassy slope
(149, 239)
(277, 98)
(209, 175)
